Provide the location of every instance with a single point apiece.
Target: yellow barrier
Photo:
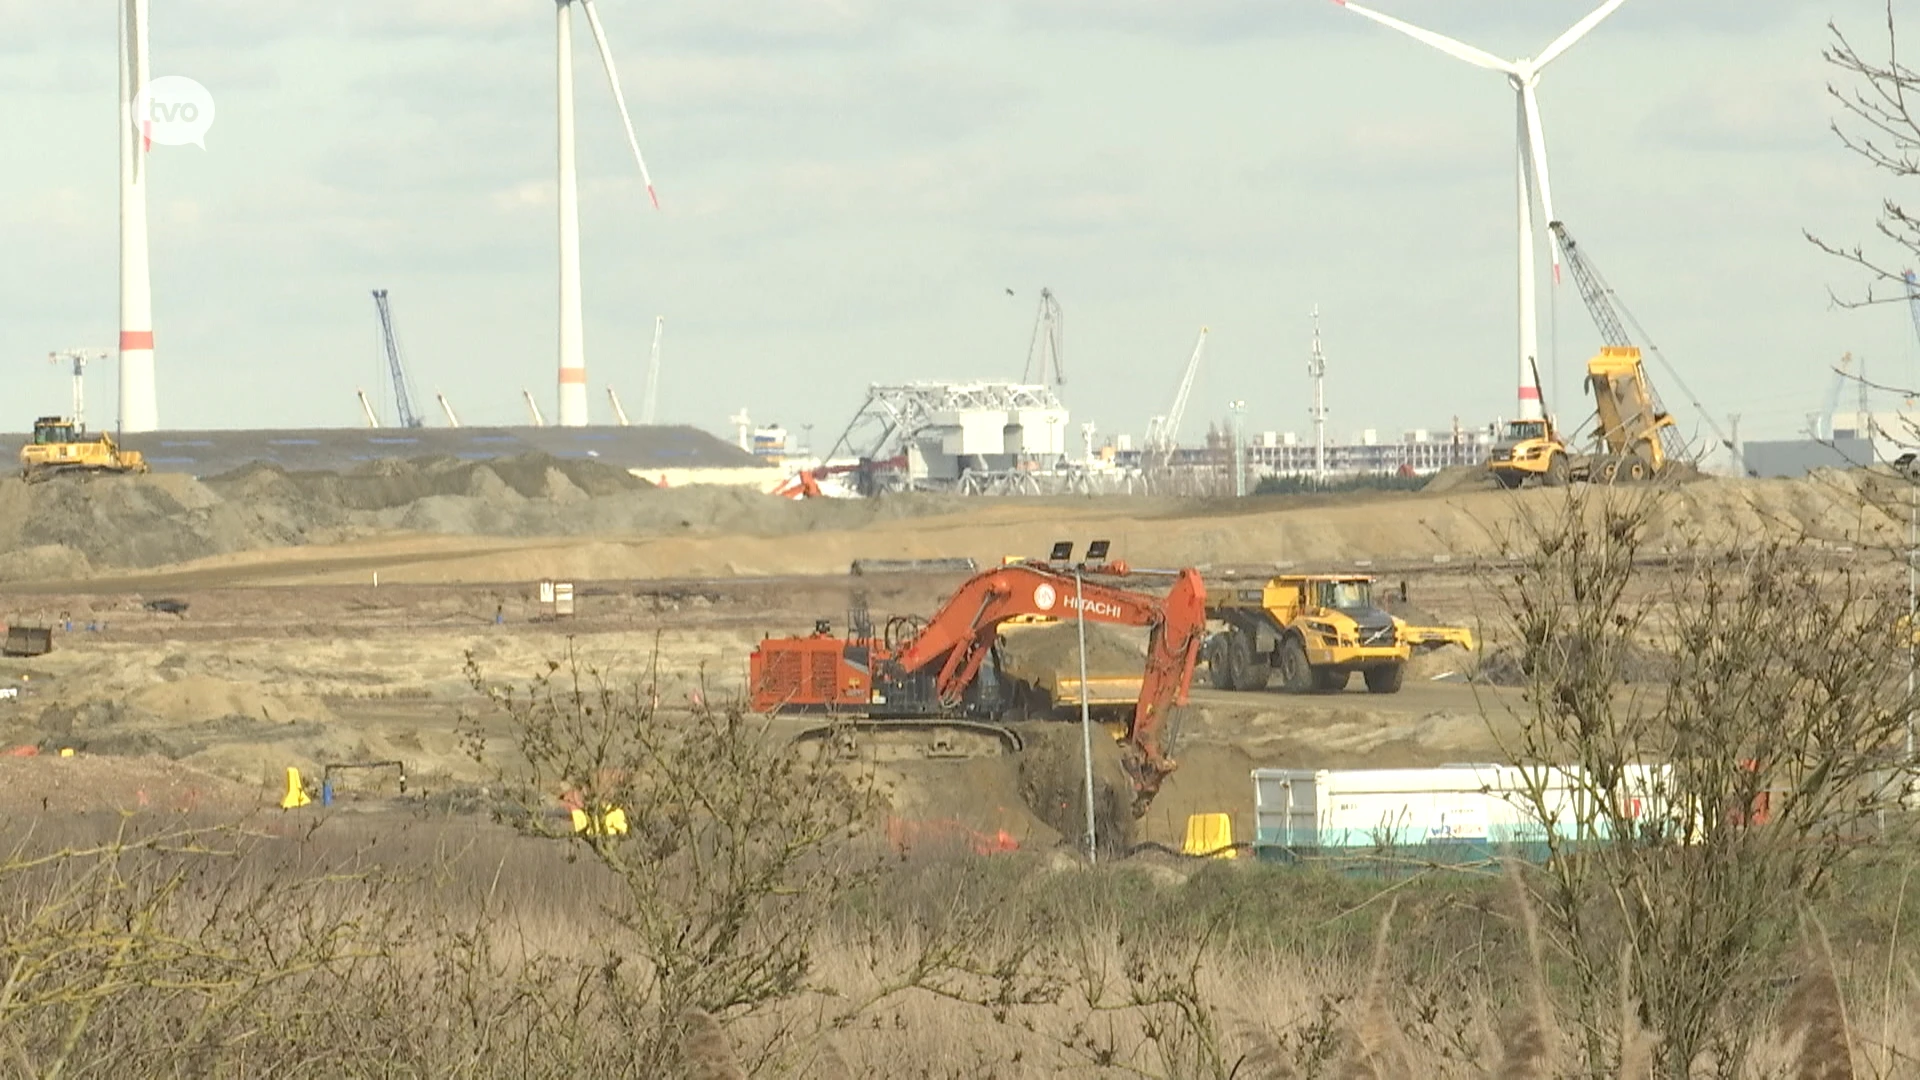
(296, 795)
(613, 822)
(1209, 834)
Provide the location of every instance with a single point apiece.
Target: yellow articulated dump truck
(59, 446)
(1632, 433)
(1312, 630)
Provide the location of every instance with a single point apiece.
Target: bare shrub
(734, 846)
(1704, 812)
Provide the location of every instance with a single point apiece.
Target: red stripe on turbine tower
(1529, 393)
(131, 340)
(570, 376)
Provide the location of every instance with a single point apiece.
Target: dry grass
(490, 956)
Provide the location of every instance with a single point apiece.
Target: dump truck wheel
(1386, 679)
(1508, 480)
(1250, 672)
(1330, 680)
(1606, 469)
(1295, 676)
(1637, 470)
(1557, 471)
(1217, 671)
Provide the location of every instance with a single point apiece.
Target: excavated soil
(1054, 648)
(70, 527)
(288, 653)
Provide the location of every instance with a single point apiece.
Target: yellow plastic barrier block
(1209, 834)
(613, 822)
(296, 795)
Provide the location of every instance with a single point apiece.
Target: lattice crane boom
(402, 395)
(1614, 321)
(1913, 299)
(1044, 352)
(1163, 432)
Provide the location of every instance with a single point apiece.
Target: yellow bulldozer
(60, 446)
(1631, 437)
(1314, 631)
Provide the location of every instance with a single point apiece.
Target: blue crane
(402, 398)
(1913, 299)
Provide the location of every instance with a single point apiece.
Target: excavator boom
(932, 676)
(959, 639)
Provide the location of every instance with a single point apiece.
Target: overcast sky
(849, 187)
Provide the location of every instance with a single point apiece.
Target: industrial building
(955, 436)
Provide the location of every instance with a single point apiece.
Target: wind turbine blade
(1537, 153)
(613, 80)
(1457, 49)
(1565, 41)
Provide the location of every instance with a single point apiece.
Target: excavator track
(930, 739)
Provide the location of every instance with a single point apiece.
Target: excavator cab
(54, 430)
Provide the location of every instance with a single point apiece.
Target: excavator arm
(960, 636)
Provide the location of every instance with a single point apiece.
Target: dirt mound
(137, 522)
(1055, 648)
(1637, 664)
(1053, 783)
(1458, 478)
(384, 485)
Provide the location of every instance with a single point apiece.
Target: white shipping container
(1373, 808)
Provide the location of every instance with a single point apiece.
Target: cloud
(1743, 116)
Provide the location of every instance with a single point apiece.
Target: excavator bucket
(28, 641)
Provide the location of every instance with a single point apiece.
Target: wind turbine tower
(139, 405)
(573, 357)
(1531, 160)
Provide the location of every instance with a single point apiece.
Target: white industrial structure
(974, 436)
(1163, 432)
(79, 358)
(1523, 75)
(573, 361)
(139, 400)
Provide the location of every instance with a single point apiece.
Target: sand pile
(64, 529)
(68, 527)
(1637, 664)
(1054, 649)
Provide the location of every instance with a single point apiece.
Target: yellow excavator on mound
(60, 446)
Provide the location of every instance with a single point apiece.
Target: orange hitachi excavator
(938, 682)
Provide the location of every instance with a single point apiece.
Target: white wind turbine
(1523, 75)
(573, 360)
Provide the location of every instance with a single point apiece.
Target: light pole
(1086, 716)
(1236, 410)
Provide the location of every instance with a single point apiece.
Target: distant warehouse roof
(209, 453)
(1794, 458)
